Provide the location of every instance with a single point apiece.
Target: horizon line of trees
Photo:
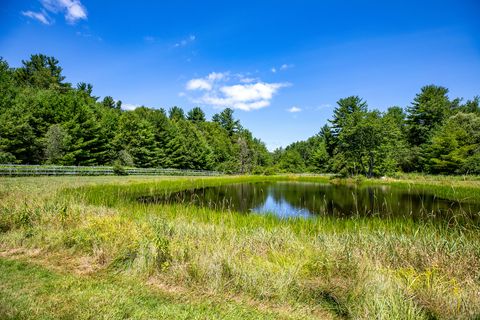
(434, 135)
(45, 120)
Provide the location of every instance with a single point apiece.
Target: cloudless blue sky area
(146, 52)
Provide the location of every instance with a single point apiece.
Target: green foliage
(428, 110)
(435, 135)
(41, 72)
(227, 122)
(44, 120)
(455, 146)
(175, 114)
(55, 144)
(7, 158)
(346, 107)
(118, 169)
(187, 148)
(196, 115)
(136, 136)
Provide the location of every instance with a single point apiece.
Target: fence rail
(45, 170)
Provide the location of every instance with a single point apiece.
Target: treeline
(45, 120)
(433, 135)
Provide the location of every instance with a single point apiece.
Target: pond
(307, 199)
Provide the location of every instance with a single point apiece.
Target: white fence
(45, 170)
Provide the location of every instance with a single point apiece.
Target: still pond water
(306, 199)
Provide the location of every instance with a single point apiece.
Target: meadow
(82, 247)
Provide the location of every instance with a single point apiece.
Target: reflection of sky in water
(306, 200)
(281, 208)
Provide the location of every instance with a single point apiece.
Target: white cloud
(250, 92)
(129, 107)
(248, 80)
(294, 109)
(198, 84)
(39, 16)
(283, 67)
(184, 42)
(286, 66)
(207, 82)
(215, 76)
(72, 9)
(219, 92)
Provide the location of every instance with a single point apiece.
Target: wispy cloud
(88, 35)
(186, 41)
(217, 90)
(294, 109)
(73, 11)
(286, 66)
(39, 16)
(283, 67)
(199, 84)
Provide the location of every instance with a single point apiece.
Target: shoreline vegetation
(78, 247)
(81, 247)
(48, 121)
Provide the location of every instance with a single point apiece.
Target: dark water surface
(306, 199)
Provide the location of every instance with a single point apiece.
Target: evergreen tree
(455, 146)
(196, 115)
(108, 102)
(175, 114)
(428, 110)
(226, 120)
(346, 107)
(41, 72)
(55, 144)
(137, 137)
(86, 145)
(188, 149)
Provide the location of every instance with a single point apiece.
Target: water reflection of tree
(237, 197)
(362, 201)
(322, 199)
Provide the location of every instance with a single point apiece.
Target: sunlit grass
(350, 267)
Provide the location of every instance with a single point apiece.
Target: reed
(328, 267)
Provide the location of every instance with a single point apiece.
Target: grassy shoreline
(322, 268)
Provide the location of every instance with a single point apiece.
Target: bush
(270, 171)
(7, 157)
(119, 170)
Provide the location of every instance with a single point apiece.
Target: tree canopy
(45, 120)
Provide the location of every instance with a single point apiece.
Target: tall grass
(363, 268)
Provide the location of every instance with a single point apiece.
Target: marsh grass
(358, 267)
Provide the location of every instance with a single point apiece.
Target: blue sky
(281, 64)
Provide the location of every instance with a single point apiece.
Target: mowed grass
(28, 291)
(90, 237)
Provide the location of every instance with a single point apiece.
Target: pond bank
(337, 268)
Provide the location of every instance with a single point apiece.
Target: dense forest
(46, 120)
(433, 135)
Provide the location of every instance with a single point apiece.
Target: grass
(29, 291)
(80, 243)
